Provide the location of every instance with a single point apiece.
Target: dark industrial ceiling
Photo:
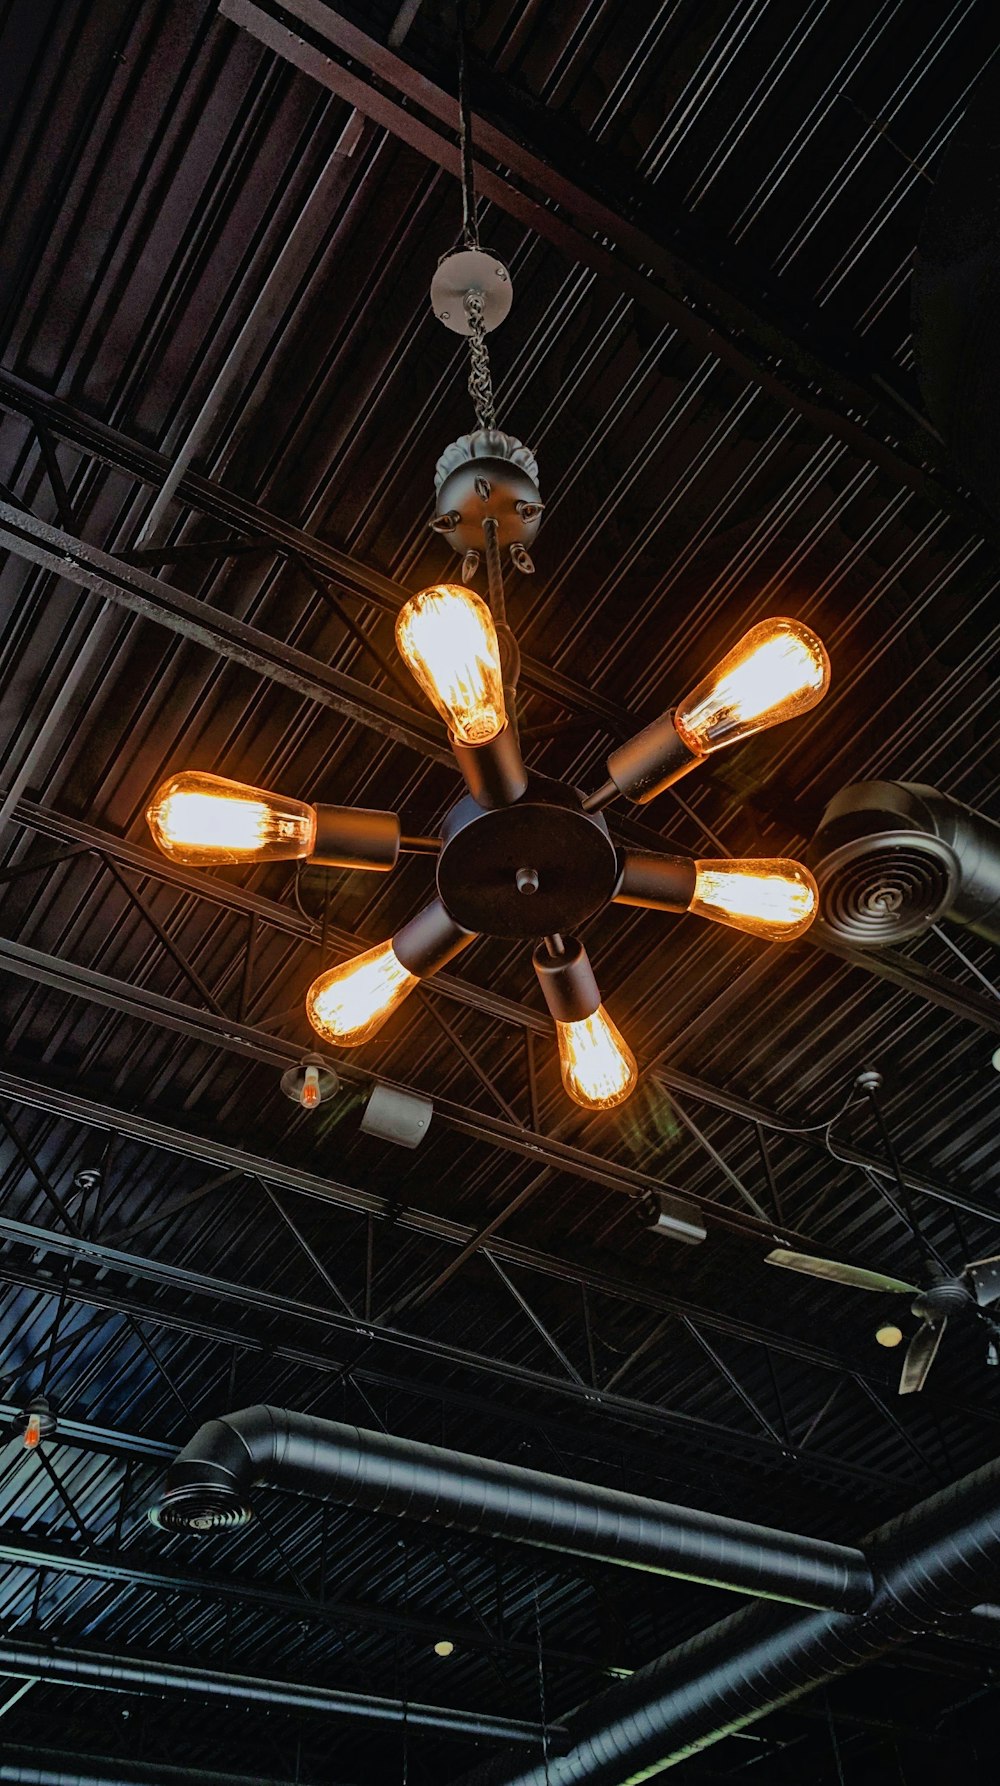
(710, 212)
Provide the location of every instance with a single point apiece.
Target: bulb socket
(428, 941)
(356, 837)
(494, 773)
(660, 883)
(651, 761)
(567, 981)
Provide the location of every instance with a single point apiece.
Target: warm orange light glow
(201, 819)
(598, 1067)
(349, 1004)
(766, 896)
(449, 642)
(778, 670)
(309, 1096)
(33, 1432)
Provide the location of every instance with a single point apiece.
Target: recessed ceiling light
(889, 1335)
(444, 1648)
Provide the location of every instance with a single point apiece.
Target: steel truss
(766, 1443)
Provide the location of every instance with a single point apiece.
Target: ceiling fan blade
(838, 1273)
(984, 1276)
(920, 1355)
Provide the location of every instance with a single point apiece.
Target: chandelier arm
(510, 656)
(601, 797)
(419, 846)
(657, 883)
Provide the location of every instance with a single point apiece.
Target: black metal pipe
(209, 1484)
(928, 1566)
(21, 1766)
(117, 1673)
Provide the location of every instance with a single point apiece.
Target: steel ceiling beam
(120, 453)
(301, 1313)
(33, 1765)
(126, 586)
(140, 1002)
(128, 1569)
(400, 1342)
(222, 1156)
(674, 275)
(288, 919)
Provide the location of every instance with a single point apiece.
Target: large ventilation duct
(20, 1766)
(927, 1565)
(208, 1486)
(116, 1673)
(892, 858)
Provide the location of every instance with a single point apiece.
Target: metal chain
(480, 376)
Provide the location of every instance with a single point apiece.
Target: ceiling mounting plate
(470, 269)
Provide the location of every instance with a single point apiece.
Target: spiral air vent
(200, 1508)
(891, 858)
(883, 893)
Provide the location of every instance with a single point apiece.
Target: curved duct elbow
(891, 858)
(208, 1483)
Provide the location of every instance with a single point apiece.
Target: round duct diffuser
(200, 1507)
(882, 891)
(883, 874)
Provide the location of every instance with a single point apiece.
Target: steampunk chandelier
(520, 855)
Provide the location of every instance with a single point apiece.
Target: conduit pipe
(208, 1486)
(127, 1674)
(21, 1766)
(928, 1565)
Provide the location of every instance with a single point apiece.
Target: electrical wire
(813, 1128)
(470, 224)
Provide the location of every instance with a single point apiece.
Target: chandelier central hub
(545, 845)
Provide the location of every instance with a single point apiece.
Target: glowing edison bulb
(199, 819)
(778, 670)
(349, 1004)
(448, 639)
(597, 1065)
(766, 896)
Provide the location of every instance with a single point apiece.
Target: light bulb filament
(598, 1068)
(202, 819)
(449, 642)
(778, 670)
(769, 897)
(348, 1005)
